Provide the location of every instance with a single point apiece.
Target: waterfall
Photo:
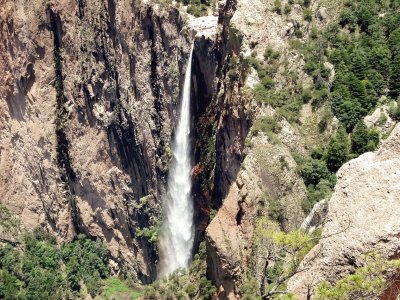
(176, 239)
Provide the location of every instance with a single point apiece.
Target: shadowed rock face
(88, 98)
(362, 217)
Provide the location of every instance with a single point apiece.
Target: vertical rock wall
(88, 98)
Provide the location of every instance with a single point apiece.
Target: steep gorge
(91, 91)
(89, 105)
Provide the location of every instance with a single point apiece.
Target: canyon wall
(89, 91)
(89, 102)
(88, 106)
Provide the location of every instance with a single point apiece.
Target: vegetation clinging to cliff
(198, 8)
(366, 282)
(354, 66)
(364, 48)
(281, 253)
(44, 270)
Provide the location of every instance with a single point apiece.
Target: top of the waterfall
(204, 26)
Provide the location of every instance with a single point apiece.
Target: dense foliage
(366, 55)
(45, 270)
(364, 47)
(318, 172)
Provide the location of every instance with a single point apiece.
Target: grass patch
(114, 288)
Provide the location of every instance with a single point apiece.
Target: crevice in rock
(68, 175)
(154, 78)
(221, 123)
(239, 216)
(122, 135)
(81, 8)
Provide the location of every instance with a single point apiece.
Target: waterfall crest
(176, 240)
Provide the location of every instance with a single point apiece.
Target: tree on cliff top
(338, 150)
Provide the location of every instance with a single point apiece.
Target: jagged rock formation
(361, 218)
(229, 236)
(88, 97)
(88, 102)
(267, 173)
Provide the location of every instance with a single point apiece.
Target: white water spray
(176, 239)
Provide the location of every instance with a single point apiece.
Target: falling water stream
(176, 239)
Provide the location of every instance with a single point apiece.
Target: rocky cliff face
(88, 102)
(358, 219)
(88, 97)
(267, 173)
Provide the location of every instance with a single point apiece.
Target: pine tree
(338, 150)
(394, 84)
(359, 138)
(380, 58)
(359, 64)
(394, 42)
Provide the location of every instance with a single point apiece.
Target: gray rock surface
(363, 216)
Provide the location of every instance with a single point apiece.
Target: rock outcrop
(242, 189)
(363, 216)
(261, 180)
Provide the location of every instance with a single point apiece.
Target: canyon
(93, 97)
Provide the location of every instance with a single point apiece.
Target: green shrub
(197, 10)
(266, 125)
(46, 271)
(191, 290)
(277, 7)
(10, 286)
(290, 111)
(149, 233)
(270, 54)
(275, 210)
(319, 97)
(367, 282)
(287, 9)
(321, 191)
(306, 95)
(267, 82)
(394, 111)
(308, 15)
(86, 261)
(313, 170)
(8, 222)
(338, 150)
(363, 139)
(249, 289)
(207, 289)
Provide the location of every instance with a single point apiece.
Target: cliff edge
(362, 217)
